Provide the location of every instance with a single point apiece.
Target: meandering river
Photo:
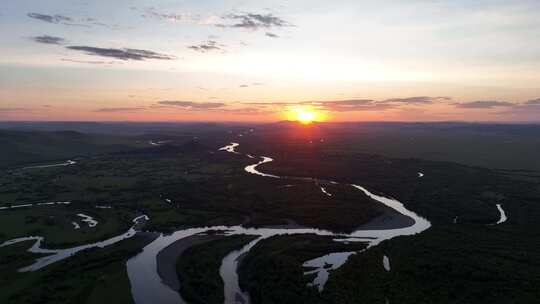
(148, 286)
(502, 215)
(55, 255)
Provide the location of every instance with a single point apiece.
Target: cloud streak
(248, 111)
(418, 100)
(192, 104)
(46, 39)
(351, 105)
(90, 61)
(65, 20)
(174, 17)
(120, 109)
(207, 46)
(253, 21)
(13, 110)
(50, 18)
(530, 108)
(484, 104)
(121, 54)
(533, 102)
(358, 105)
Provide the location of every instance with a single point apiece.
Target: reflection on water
(253, 168)
(502, 217)
(323, 190)
(229, 275)
(56, 255)
(147, 286)
(30, 205)
(88, 220)
(66, 163)
(323, 265)
(386, 263)
(372, 237)
(230, 148)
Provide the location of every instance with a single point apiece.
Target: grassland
(467, 262)
(55, 223)
(29, 147)
(93, 276)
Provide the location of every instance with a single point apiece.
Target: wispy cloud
(207, 46)
(350, 105)
(121, 54)
(192, 104)
(120, 109)
(90, 61)
(174, 17)
(13, 110)
(271, 35)
(417, 100)
(357, 105)
(46, 39)
(50, 18)
(533, 102)
(484, 104)
(253, 21)
(530, 108)
(253, 84)
(248, 111)
(70, 21)
(207, 107)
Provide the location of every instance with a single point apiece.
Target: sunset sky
(261, 60)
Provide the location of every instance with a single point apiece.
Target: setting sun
(305, 114)
(305, 117)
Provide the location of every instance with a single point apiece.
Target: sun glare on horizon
(305, 115)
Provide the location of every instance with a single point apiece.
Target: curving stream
(68, 162)
(230, 148)
(88, 220)
(31, 205)
(56, 255)
(502, 215)
(148, 287)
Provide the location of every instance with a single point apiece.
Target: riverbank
(168, 257)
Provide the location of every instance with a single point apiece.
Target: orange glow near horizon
(305, 115)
